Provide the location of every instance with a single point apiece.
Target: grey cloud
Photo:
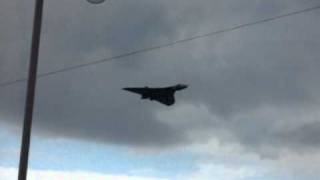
(306, 136)
(273, 64)
(14, 36)
(95, 111)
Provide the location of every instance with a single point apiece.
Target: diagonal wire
(152, 48)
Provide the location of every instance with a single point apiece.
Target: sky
(251, 111)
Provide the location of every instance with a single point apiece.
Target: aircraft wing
(140, 91)
(166, 100)
(155, 94)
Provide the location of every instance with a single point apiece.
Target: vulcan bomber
(164, 95)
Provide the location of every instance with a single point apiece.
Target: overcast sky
(251, 110)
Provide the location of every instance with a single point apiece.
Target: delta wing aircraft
(163, 95)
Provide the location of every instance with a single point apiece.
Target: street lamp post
(31, 86)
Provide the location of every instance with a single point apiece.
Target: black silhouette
(163, 95)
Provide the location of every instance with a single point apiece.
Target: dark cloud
(306, 136)
(237, 76)
(14, 37)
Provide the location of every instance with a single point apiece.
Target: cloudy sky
(252, 109)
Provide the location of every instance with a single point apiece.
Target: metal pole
(27, 124)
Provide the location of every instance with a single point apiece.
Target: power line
(13, 82)
(140, 51)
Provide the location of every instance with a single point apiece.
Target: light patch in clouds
(11, 174)
(210, 171)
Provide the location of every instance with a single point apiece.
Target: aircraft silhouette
(163, 95)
